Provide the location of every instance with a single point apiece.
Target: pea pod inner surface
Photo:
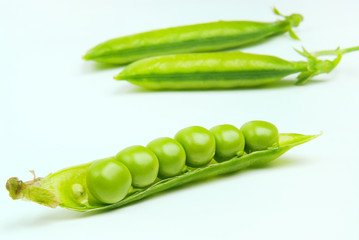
(67, 188)
(192, 38)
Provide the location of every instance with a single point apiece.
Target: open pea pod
(67, 188)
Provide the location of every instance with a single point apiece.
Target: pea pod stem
(317, 66)
(335, 52)
(67, 188)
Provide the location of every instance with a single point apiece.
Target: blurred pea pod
(225, 69)
(204, 37)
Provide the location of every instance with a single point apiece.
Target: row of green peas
(110, 180)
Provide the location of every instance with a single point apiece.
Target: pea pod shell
(208, 71)
(185, 39)
(67, 188)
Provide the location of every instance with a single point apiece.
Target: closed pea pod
(224, 69)
(192, 38)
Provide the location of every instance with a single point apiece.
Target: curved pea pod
(224, 69)
(67, 188)
(204, 37)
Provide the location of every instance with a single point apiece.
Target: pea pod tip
(118, 77)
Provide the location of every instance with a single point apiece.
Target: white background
(58, 111)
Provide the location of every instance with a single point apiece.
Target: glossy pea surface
(199, 144)
(170, 154)
(142, 163)
(259, 135)
(229, 142)
(108, 180)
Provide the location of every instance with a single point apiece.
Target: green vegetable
(229, 142)
(108, 180)
(199, 144)
(170, 154)
(260, 135)
(224, 69)
(193, 38)
(142, 163)
(102, 184)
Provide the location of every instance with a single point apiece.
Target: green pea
(142, 163)
(229, 142)
(108, 180)
(199, 145)
(260, 135)
(170, 154)
(202, 37)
